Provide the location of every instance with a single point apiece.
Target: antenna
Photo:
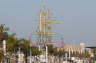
(43, 3)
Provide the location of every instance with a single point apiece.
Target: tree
(11, 42)
(50, 49)
(3, 36)
(94, 51)
(23, 44)
(1, 55)
(35, 51)
(25, 47)
(3, 32)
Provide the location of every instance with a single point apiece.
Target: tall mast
(44, 20)
(40, 23)
(49, 23)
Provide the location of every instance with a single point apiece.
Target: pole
(46, 54)
(44, 20)
(19, 55)
(39, 47)
(69, 54)
(66, 56)
(4, 49)
(40, 24)
(30, 56)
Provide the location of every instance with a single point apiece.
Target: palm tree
(3, 32)
(23, 44)
(50, 49)
(35, 51)
(11, 42)
(3, 36)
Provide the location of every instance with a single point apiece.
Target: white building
(75, 48)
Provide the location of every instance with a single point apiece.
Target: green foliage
(3, 32)
(59, 52)
(24, 46)
(3, 36)
(35, 51)
(11, 42)
(95, 53)
(95, 56)
(50, 49)
(54, 50)
(1, 55)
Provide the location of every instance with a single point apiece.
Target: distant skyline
(77, 18)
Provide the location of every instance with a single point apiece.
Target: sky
(77, 18)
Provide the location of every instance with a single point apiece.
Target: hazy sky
(77, 18)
